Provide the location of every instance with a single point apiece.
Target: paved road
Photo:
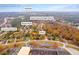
(45, 51)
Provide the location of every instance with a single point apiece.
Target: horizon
(38, 11)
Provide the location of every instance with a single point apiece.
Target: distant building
(76, 24)
(29, 9)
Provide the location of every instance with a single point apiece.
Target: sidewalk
(24, 51)
(72, 51)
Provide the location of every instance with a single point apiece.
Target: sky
(38, 7)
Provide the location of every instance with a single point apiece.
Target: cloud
(40, 7)
(63, 8)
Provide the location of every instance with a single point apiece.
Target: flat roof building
(43, 18)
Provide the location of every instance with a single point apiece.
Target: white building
(42, 18)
